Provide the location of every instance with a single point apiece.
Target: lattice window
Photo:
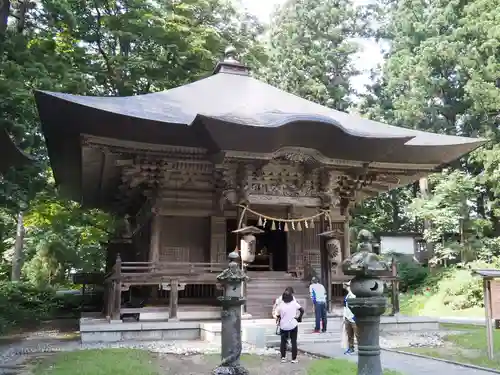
(174, 254)
(312, 257)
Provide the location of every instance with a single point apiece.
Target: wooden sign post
(489, 294)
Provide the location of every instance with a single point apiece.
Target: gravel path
(406, 364)
(201, 365)
(393, 340)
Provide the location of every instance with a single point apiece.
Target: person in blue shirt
(318, 297)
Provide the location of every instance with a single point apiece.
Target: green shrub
(411, 273)
(461, 290)
(22, 304)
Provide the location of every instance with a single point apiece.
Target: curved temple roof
(11, 155)
(232, 111)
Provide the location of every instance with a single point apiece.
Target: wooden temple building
(187, 167)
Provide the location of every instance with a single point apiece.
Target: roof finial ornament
(230, 54)
(230, 64)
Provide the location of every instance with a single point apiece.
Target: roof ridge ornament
(230, 64)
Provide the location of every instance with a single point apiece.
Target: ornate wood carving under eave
(263, 199)
(301, 154)
(131, 147)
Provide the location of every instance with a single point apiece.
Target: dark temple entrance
(271, 254)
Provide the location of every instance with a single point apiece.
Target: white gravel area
(393, 340)
(187, 348)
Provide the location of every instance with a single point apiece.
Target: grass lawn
(337, 367)
(432, 305)
(468, 347)
(98, 362)
(133, 362)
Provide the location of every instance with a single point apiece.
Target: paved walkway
(406, 364)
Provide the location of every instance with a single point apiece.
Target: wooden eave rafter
(145, 166)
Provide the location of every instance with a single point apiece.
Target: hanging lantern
(273, 226)
(264, 223)
(247, 243)
(305, 224)
(311, 225)
(299, 227)
(259, 222)
(285, 227)
(293, 225)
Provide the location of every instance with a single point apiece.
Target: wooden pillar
(489, 323)
(325, 260)
(117, 289)
(107, 299)
(174, 299)
(155, 243)
(346, 253)
(154, 250)
(218, 233)
(239, 212)
(110, 302)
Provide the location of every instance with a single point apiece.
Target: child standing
(349, 324)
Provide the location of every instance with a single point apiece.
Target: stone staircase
(265, 286)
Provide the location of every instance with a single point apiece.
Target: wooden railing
(170, 268)
(143, 273)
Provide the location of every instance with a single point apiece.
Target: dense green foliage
(24, 304)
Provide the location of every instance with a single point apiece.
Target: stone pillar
(117, 289)
(174, 299)
(369, 303)
(231, 279)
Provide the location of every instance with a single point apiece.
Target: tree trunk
(424, 192)
(395, 211)
(4, 17)
(17, 259)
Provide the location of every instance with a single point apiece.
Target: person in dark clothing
(289, 324)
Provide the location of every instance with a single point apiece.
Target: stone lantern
(369, 304)
(231, 280)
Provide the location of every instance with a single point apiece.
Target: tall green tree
(311, 50)
(441, 75)
(97, 47)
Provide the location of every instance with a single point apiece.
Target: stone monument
(231, 301)
(369, 304)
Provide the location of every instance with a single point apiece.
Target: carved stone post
(231, 279)
(369, 303)
(117, 289)
(174, 299)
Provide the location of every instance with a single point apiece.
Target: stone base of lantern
(230, 370)
(367, 312)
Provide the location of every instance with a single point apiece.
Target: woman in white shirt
(289, 322)
(278, 300)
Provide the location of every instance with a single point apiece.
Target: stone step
(264, 287)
